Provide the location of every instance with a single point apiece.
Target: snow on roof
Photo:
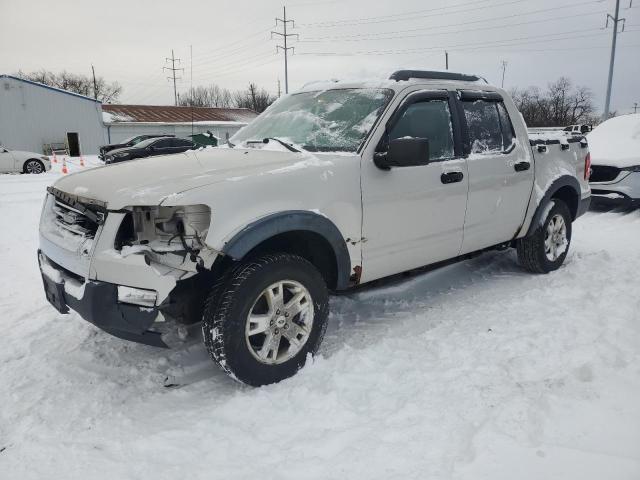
(616, 141)
(48, 87)
(172, 114)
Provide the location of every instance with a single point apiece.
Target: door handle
(451, 177)
(521, 166)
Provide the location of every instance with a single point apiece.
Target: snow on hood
(616, 142)
(149, 181)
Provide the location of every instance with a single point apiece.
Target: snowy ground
(476, 371)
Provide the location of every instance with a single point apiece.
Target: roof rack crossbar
(401, 75)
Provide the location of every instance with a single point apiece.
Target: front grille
(603, 173)
(76, 215)
(74, 220)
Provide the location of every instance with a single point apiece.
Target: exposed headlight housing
(165, 229)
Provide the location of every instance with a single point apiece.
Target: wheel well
(309, 245)
(569, 196)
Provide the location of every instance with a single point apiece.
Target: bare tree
(560, 105)
(211, 96)
(254, 97)
(81, 84)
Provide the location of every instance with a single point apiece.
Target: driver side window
(431, 120)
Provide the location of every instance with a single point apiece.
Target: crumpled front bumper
(97, 302)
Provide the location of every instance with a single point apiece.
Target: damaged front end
(121, 269)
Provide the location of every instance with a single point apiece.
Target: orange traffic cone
(81, 161)
(64, 165)
(55, 160)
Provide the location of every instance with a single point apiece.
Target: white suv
(333, 186)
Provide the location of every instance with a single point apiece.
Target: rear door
(414, 216)
(181, 145)
(163, 146)
(500, 171)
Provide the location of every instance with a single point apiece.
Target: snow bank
(616, 142)
(476, 371)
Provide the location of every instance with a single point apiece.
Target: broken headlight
(165, 229)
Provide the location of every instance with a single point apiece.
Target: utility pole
(285, 48)
(635, 107)
(504, 69)
(95, 84)
(616, 19)
(173, 69)
(191, 81)
(446, 59)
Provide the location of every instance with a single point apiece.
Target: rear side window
(180, 142)
(163, 143)
(431, 120)
(489, 126)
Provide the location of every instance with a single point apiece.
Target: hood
(616, 142)
(22, 153)
(149, 181)
(120, 148)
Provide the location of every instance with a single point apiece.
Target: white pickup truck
(332, 187)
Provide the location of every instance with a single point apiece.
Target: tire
(261, 353)
(33, 166)
(538, 256)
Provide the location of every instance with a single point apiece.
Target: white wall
(32, 115)
(118, 132)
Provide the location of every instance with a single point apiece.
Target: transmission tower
(285, 36)
(173, 70)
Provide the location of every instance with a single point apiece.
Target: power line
(284, 35)
(450, 47)
(381, 35)
(412, 14)
(173, 69)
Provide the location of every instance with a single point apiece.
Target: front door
(73, 140)
(6, 160)
(500, 172)
(414, 216)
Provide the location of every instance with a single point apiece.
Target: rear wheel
(33, 166)
(546, 249)
(265, 317)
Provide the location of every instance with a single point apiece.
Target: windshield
(324, 121)
(130, 139)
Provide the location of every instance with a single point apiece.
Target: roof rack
(401, 75)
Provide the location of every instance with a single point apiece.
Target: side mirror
(403, 152)
(151, 148)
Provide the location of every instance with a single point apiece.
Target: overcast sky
(127, 41)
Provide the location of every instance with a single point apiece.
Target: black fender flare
(558, 183)
(289, 221)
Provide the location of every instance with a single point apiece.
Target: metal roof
(48, 87)
(171, 114)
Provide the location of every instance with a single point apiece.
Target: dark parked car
(129, 142)
(149, 148)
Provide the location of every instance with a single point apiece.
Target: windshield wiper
(288, 146)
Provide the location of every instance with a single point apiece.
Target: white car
(16, 161)
(615, 161)
(332, 187)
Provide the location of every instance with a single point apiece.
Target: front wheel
(260, 323)
(546, 249)
(33, 166)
